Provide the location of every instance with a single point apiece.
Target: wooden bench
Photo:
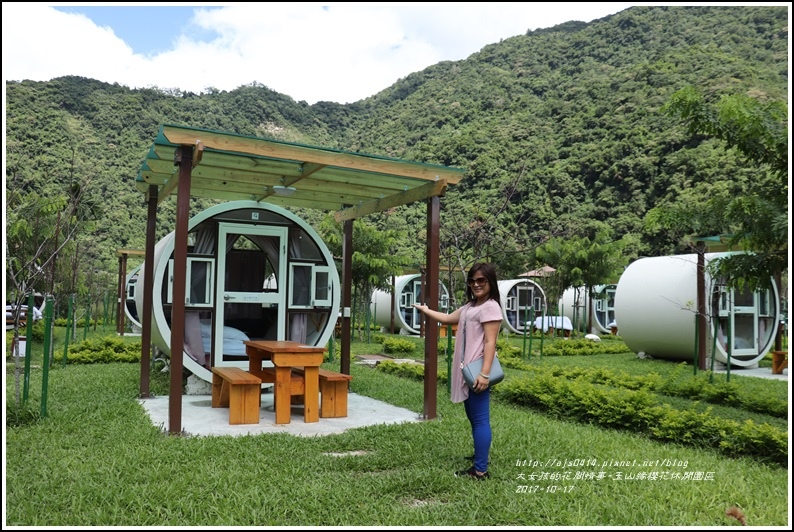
(297, 385)
(779, 362)
(239, 390)
(442, 330)
(333, 392)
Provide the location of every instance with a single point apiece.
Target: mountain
(560, 129)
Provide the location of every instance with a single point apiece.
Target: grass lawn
(96, 460)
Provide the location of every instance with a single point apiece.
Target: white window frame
(316, 284)
(292, 277)
(209, 278)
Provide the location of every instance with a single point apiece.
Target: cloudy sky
(340, 52)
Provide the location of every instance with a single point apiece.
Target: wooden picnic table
(285, 356)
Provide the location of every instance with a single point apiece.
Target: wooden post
(347, 277)
(701, 304)
(185, 160)
(145, 315)
(121, 293)
(431, 292)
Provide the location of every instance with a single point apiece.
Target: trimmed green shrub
(398, 345)
(680, 384)
(37, 331)
(106, 349)
(582, 347)
(408, 370)
(618, 401)
(378, 338)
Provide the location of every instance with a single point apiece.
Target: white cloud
(339, 52)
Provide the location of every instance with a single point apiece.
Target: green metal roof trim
(233, 167)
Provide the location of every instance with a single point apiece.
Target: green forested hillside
(561, 132)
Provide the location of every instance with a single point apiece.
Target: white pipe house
(575, 303)
(656, 305)
(407, 290)
(522, 300)
(130, 306)
(255, 271)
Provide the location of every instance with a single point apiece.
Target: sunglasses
(479, 281)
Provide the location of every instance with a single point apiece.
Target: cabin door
(744, 322)
(251, 290)
(526, 306)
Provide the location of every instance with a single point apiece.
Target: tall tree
(583, 261)
(756, 220)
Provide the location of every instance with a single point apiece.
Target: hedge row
(693, 387)
(638, 411)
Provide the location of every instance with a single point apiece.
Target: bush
(37, 332)
(398, 345)
(106, 349)
(408, 371)
(378, 338)
(581, 347)
(641, 412)
(600, 397)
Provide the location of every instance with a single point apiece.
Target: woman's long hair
(489, 272)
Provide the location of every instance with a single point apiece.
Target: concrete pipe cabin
(522, 301)
(130, 306)
(254, 272)
(656, 304)
(576, 305)
(407, 290)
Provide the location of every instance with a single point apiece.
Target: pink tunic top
(473, 318)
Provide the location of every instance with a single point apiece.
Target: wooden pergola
(203, 163)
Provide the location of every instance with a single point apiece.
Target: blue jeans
(478, 410)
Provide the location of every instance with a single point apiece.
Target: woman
(479, 321)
